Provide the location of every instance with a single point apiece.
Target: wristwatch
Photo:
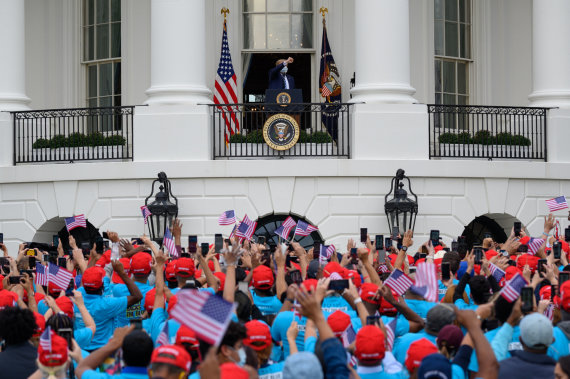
(405, 248)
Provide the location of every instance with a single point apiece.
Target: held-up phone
(266, 257)
(204, 246)
(137, 322)
(434, 237)
(372, 320)
(395, 232)
(557, 249)
(85, 248)
(55, 240)
(363, 234)
(382, 256)
(562, 277)
(69, 290)
(105, 235)
(454, 245)
(567, 234)
(412, 270)
(31, 253)
(1, 237)
(99, 246)
(192, 244)
(422, 256)
(478, 255)
(353, 256)
(218, 243)
(541, 264)
(526, 298)
(32, 263)
(260, 240)
(445, 271)
(316, 250)
(338, 285)
(517, 228)
(379, 242)
(387, 243)
(14, 279)
(512, 263)
(137, 241)
(296, 277)
(62, 262)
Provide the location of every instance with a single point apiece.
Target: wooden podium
(280, 100)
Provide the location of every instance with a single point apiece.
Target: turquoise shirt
(421, 307)
(127, 373)
(268, 305)
(279, 331)
(135, 311)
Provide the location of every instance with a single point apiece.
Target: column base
(178, 95)
(383, 93)
(14, 102)
(550, 99)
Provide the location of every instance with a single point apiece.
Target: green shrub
(448, 138)
(238, 138)
(519, 140)
(303, 137)
(484, 137)
(78, 140)
(96, 139)
(58, 141)
(41, 144)
(255, 136)
(464, 138)
(115, 140)
(320, 137)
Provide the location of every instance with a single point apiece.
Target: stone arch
(499, 225)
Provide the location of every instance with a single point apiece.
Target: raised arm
(85, 315)
(135, 293)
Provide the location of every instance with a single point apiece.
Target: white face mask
(284, 70)
(242, 357)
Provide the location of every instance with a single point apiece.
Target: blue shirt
(153, 324)
(127, 373)
(279, 331)
(421, 307)
(268, 305)
(402, 344)
(135, 311)
(335, 303)
(83, 337)
(513, 344)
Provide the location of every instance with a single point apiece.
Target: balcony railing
(323, 130)
(487, 132)
(69, 135)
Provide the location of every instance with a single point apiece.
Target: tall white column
(550, 53)
(178, 52)
(382, 47)
(13, 59)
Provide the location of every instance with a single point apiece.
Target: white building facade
(405, 57)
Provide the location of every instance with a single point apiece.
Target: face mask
(284, 70)
(242, 357)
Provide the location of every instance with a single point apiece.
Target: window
(278, 24)
(267, 225)
(102, 54)
(452, 33)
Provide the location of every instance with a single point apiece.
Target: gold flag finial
(323, 10)
(225, 11)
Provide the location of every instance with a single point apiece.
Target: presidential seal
(283, 98)
(281, 131)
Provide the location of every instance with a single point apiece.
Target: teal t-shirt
(268, 305)
(279, 331)
(421, 307)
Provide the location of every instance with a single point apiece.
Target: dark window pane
(462, 78)
(465, 41)
(451, 10)
(448, 99)
(302, 5)
(115, 40)
(467, 11)
(93, 103)
(102, 41)
(105, 101)
(438, 35)
(301, 31)
(115, 10)
(116, 101)
(105, 79)
(102, 11)
(451, 48)
(92, 73)
(438, 98)
(438, 9)
(437, 76)
(448, 77)
(462, 10)
(117, 78)
(254, 6)
(90, 11)
(89, 43)
(462, 100)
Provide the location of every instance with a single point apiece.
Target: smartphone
(31, 253)
(478, 255)
(454, 245)
(512, 263)
(557, 249)
(1, 237)
(395, 232)
(517, 228)
(382, 256)
(266, 257)
(379, 242)
(62, 262)
(338, 285)
(55, 240)
(260, 240)
(372, 320)
(353, 256)
(422, 256)
(204, 246)
(32, 262)
(4, 261)
(296, 277)
(137, 322)
(363, 234)
(434, 237)
(219, 242)
(399, 243)
(387, 243)
(99, 246)
(562, 277)
(69, 290)
(541, 264)
(192, 244)
(567, 234)
(412, 270)
(85, 249)
(14, 279)
(523, 249)
(228, 242)
(445, 271)
(526, 298)
(316, 250)
(105, 235)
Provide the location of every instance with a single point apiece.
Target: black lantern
(162, 210)
(401, 211)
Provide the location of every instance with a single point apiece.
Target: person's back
(18, 358)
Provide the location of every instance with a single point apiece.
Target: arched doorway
(497, 225)
(49, 228)
(266, 227)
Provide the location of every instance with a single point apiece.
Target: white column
(13, 59)
(550, 53)
(178, 53)
(382, 48)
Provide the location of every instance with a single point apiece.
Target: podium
(278, 100)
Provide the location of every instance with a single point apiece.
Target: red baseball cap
(187, 335)
(222, 277)
(490, 254)
(141, 263)
(93, 277)
(262, 277)
(57, 356)
(333, 267)
(339, 322)
(545, 292)
(511, 271)
(258, 335)
(310, 283)
(211, 266)
(565, 296)
(104, 260)
(149, 300)
(524, 240)
(170, 271)
(386, 308)
(1, 282)
(172, 355)
(369, 344)
(40, 324)
(7, 299)
(355, 276)
(126, 262)
(184, 267)
(66, 306)
(417, 351)
(368, 293)
(230, 370)
(527, 259)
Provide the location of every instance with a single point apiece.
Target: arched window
(266, 227)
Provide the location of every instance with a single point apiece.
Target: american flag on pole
(59, 276)
(549, 312)
(163, 336)
(391, 334)
(296, 315)
(45, 339)
(399, 282)
(75, 222)
(168, 241)
(557, 203)
(426, 281)
(233, 233)
(304, 229)
(325, 253)
(512, 290)
(285, 228)
(225, 91)
(208, 315)
(227, 218)
(246, 228)
(41, 275)
(497, 273)
(145, 213)
(348, 337)
(534, 245)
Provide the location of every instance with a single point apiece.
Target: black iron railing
(473, 131)
(324, 130)
(78, 134)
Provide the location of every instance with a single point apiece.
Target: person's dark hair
(16, 325)
(479, 289)
(62, 325)
(240, 274)
(565, 364)
(503, 309)
(137, 349)
(235, 333)
(243, 310)
(92, 291)
(170, 369)
(265, 292)
(453, 258)
(172, 285)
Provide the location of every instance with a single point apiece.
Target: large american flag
(41, 275)
(45, 339)
(168, 241)
(426, 281)
(512, 290)
(557, 203)
(304, 229)
(399, 282)
(246, 228)
(227, 218)
(75, 222)
(145, 213)
(285, 228)
(208, 315)
(59, 276)
(163, 338)
(226, 88)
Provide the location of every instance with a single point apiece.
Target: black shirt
(18, 361)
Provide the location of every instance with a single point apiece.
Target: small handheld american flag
(145, 213)
(534, 245)
(325, 253)
(163, 338)
(285, 228)
(45, 339)
(399, 282)
(169, 243)
(246, 228)
(41, 275)
(227, 218)
(497, 273)
(304, 229)
(426, 281)
(512, 290)
(557, 203)
(391, 334)
(59, 276)
(75, 222)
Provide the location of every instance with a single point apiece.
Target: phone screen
(454, 245)
(31, 253)
(32, 263)
(204, 246)
(567, 234)
(266, 254)
(557, 250)
(338, 285)
(218, 242)
(61, 262)
(395, 232)
(517, 228)
(14, 279)
(192, 243)
(562, 277)
(445, 271)
(434, 236)
(1, 237)
(296, 277)
(379, 242)
(387, 243)
(372, 320)
(541, 263)
(478, 255)
(363, 234)
(526, 298)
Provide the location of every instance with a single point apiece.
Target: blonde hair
(448, 298)
(56, 372)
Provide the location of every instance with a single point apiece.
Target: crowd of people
(500, 310)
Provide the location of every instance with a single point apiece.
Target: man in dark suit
(278, 78)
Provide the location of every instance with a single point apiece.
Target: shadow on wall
(498, 225)
(50, 228)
